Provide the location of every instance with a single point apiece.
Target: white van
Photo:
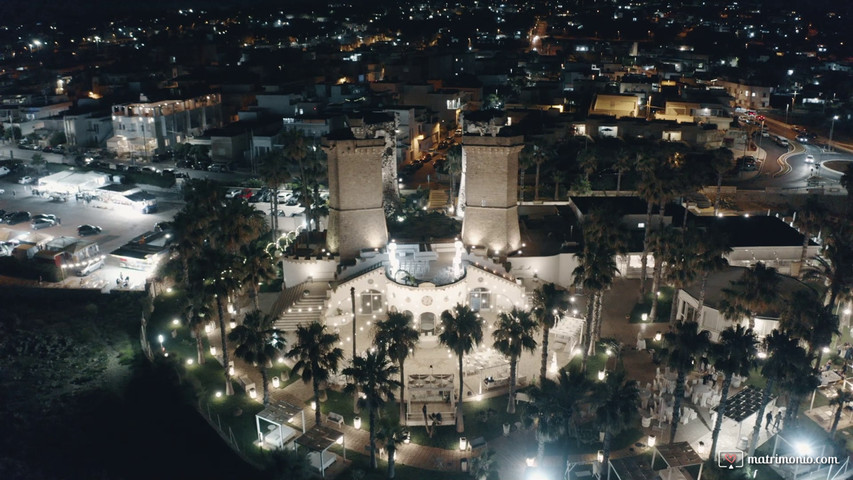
(87, 269)
(781, 141)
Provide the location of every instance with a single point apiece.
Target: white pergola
(319, 439)
(278, 414)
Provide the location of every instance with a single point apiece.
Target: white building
(143, 129)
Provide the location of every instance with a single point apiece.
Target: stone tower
(382, 125)
(356, 217)
(490, 175)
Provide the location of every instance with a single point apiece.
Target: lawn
(664, 306)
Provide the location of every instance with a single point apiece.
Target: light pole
(787, 107)
(831, 128)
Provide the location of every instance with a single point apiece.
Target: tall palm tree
(799, 380)
(537, 153)
(684, 344)
(805, 317)
(618, 400)
(198, 313)
(372, 377)
(779, 348)
(604, 237)
(681, 257)
(391, 434)
(219, 271)
(721, 161)
(842, 397)
(461, 331)
(712, 246)
(398, 338)
(754, 291)
(625, 161)
(258, 266)
(835, 263)
(548, 304)
(558, 176)
(666, 245)
(553, 406)
(274, 173)
(513, 335)
(734, 354)
(259, 343)
(237, 223)
(317, 357)
(453, 167)
(485, 467)
(811, 217)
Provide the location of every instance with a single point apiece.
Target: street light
(831, 128)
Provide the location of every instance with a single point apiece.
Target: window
(480, 299)
(371, 302)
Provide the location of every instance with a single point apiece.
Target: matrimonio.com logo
(731, 459)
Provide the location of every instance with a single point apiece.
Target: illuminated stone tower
(356, 217)
(490, 176)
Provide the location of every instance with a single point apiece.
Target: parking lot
(119, 224)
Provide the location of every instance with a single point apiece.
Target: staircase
(438, 200)
(298, 305)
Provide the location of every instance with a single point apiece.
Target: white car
(809, 158)
(26, 179)
(4, 171)
(233, 192)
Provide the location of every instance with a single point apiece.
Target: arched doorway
(427, 323)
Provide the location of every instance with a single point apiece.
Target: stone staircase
(299, 305)
(438, 200)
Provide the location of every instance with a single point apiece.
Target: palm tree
(680, 255)
(720, 162)
(712, 246)
(513, 335)
(684, 345)
(734, 354)
(754, 291)
(461, 331)
(779, 348)
(485, 467)
(218, 269)
(258, 343)
(536, 153)
(624, 163)
(316, 356)
(799, 380)
(274, 172)
(237, 223)
(548, 304)
(604, 237)
(835, 264)
(618, 400)
(805, 317)
(558, 176)
(258, 266)
(667, 242)
(398, 338)
(453, 166)
(198, 313)
(588, 161)
(842, 397)
(287, 464)
(811, 217)
(391, 434)
(371, 377)
(553, 406)
(653, 189)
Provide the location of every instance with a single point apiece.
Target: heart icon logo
(730, 457)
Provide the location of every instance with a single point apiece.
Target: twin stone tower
(358, 174)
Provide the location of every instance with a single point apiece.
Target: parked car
(16, 217)
(162, 226)
(233, 192)
(150, 170)
(747, 163)
(39, 223)
(4, 171)
(46, 216)
(84, 230)
(26, 179)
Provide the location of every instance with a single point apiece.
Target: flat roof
(679, 454)
(754, 231)
(632, 468)
(319, 438)
(280, 412)
(718, 281)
